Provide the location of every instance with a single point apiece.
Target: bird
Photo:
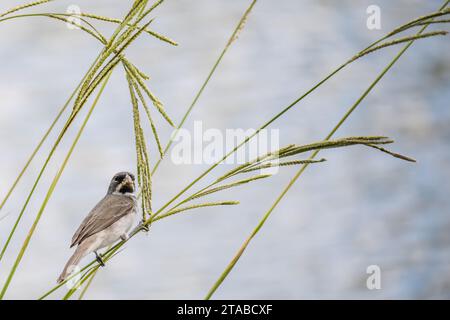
(109, 221)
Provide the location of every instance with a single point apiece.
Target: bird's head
(122, 182)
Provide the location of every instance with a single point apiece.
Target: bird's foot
(144, 227)
(99, 259)
(125, 237)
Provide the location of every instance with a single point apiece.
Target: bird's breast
(111, 234)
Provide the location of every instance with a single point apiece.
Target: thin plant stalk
(241, 250)
(73, 275)
(86, 287)
(89, 275)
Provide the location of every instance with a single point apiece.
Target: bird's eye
(117, 179)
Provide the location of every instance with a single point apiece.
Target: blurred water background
(358, 209)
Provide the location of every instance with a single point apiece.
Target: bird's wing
(110, 209)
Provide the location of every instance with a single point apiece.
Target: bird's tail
(79, 253)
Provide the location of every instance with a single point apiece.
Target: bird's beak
(128, 182)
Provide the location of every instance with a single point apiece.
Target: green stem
(73, 275)
(90, 276)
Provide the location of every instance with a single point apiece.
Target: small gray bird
(109, 221)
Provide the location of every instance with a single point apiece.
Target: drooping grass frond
(153, 98)
(395, 155)
(338, 143)
(112, 47)
(135, 70)
(89, 87)
(196, 206)
(24, 6)
(91, 31)
(264, 161)
(267, 156)
(147, 111)
(143, 166)
(148, 31)
(399, 41)
(272, 160)
(229, 185)
(426, 19)
(427, 22)
(281, 164)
